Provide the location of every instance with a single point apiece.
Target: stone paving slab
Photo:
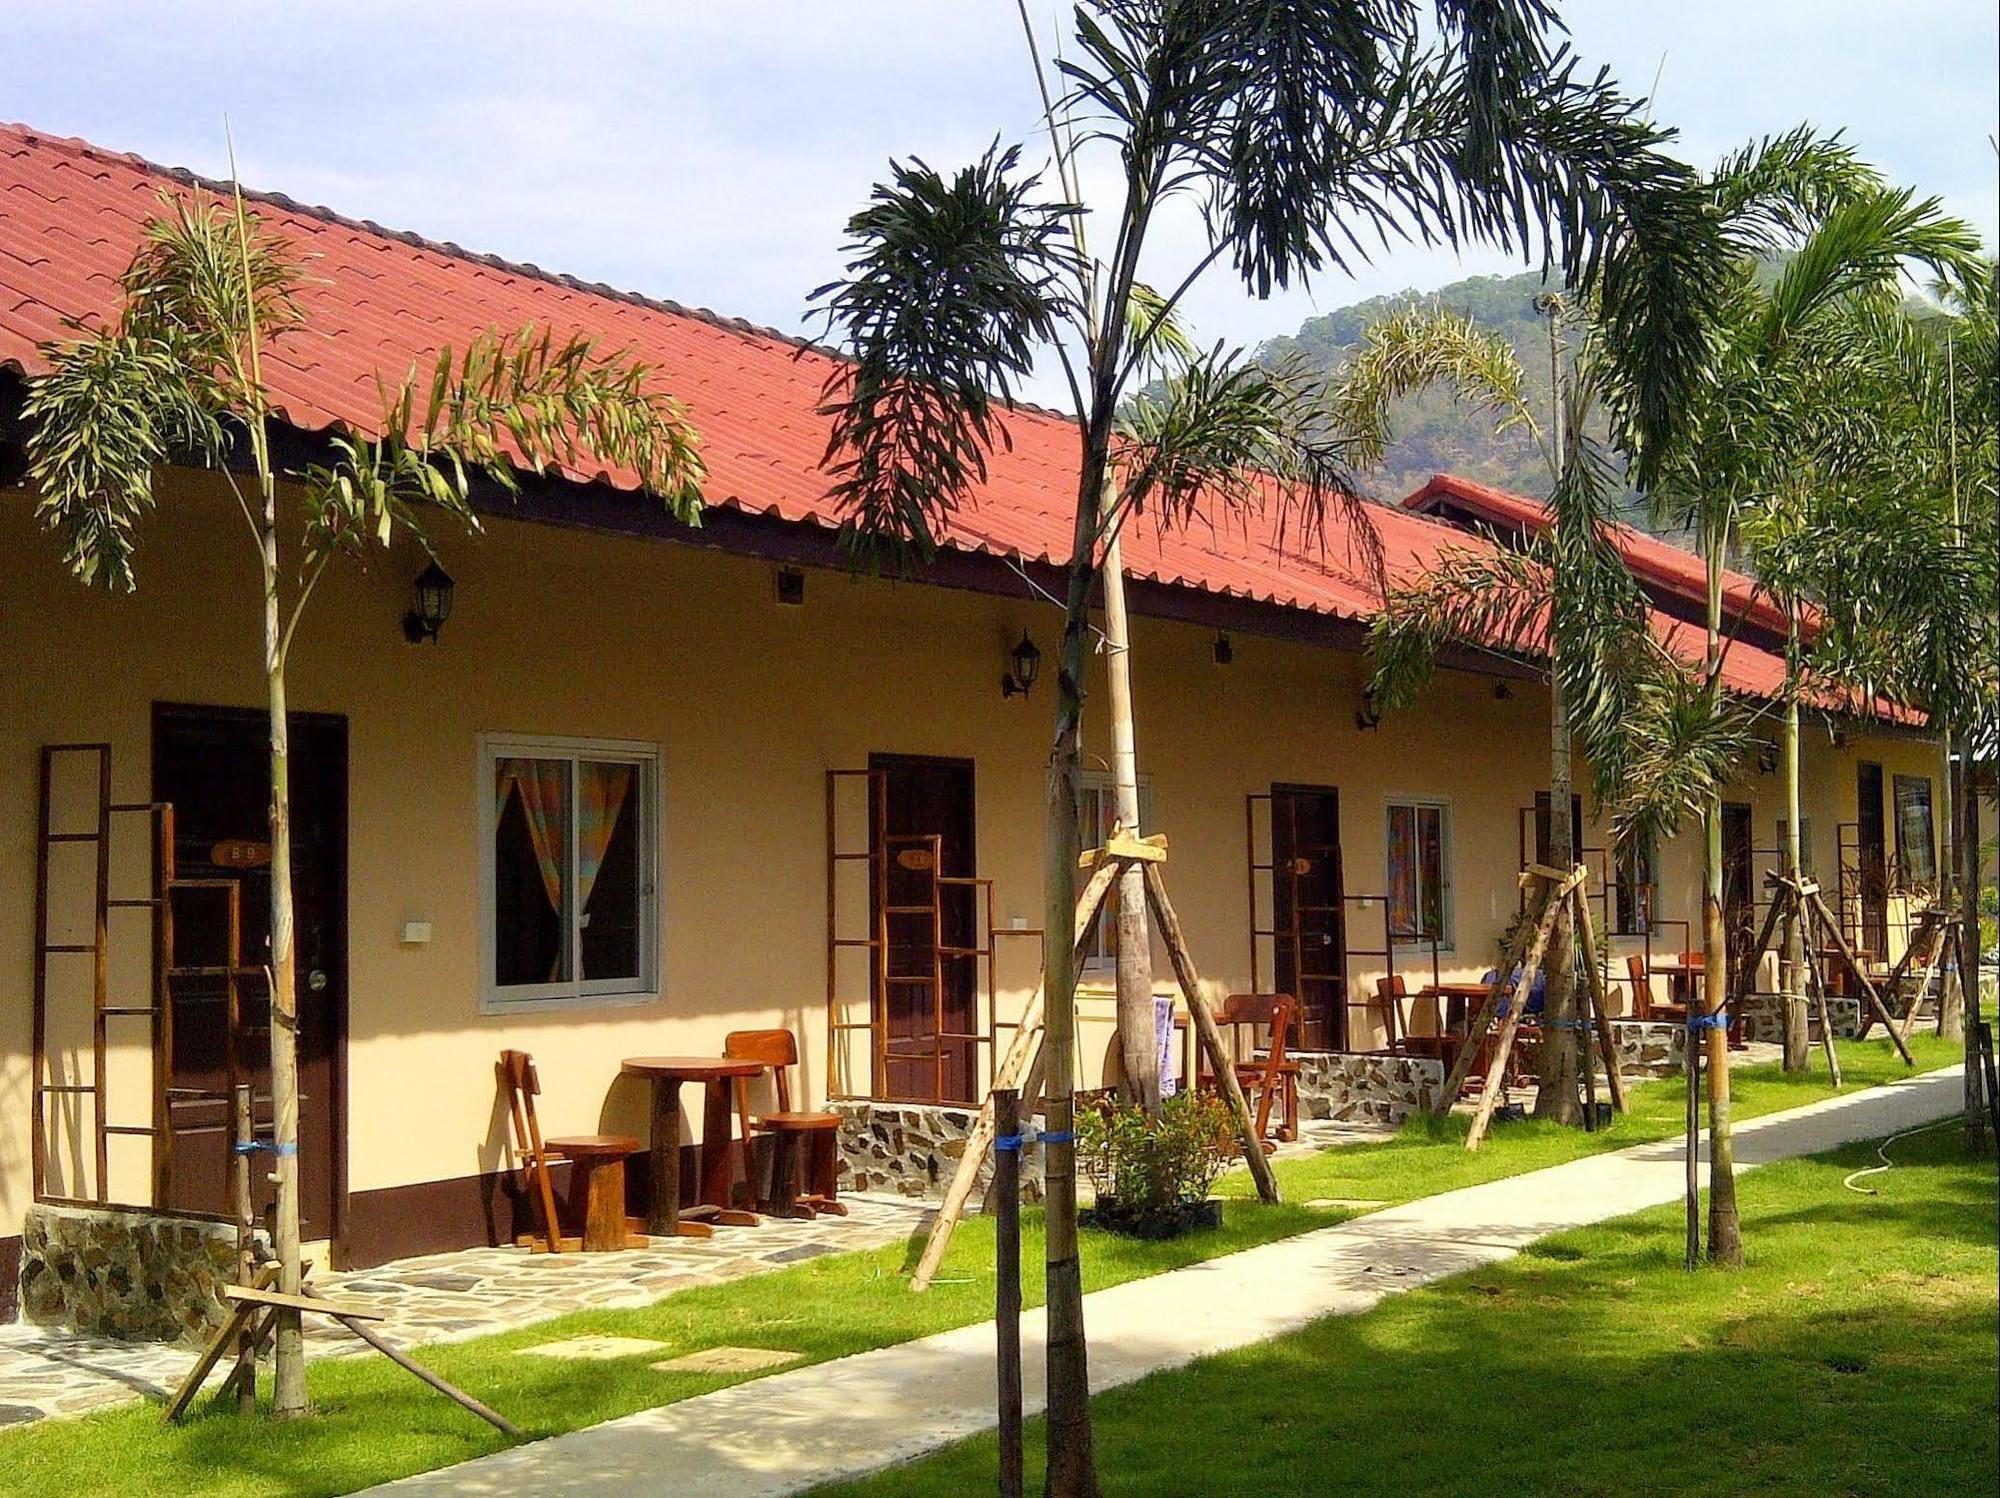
(785, 1433)
(46, 1371)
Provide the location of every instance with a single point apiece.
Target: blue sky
(710, 152)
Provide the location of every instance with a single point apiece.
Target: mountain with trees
(1437, 429)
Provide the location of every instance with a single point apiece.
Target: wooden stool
(597, 1189)
(803, 1144)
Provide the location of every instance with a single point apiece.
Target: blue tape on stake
(1007, 1142)
(265, 1147)
(1058, 1138)
(1717, 1021)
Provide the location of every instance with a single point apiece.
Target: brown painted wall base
(434, 1217)
(10, 1279)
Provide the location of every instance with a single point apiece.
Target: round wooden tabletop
(690, 1068)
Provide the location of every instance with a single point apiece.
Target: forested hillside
(1436, 434)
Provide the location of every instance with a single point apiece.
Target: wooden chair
(1273, 1078)
(815, 1136)
(1391, 993)
(1644, 1005)
(597, 1172)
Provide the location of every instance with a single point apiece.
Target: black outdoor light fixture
(433, 607)
(1024, 665)
(1369, 714)
(1224, 651)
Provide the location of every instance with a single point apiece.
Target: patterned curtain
(542, 785)
(601, 794)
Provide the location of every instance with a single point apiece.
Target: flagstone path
(446, 1298)
(791, 1431)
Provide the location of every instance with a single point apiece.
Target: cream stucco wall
(564, 633)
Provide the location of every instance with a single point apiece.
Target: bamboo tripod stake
(1023, 1053)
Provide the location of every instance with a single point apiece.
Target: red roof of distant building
(1660, 563)
(379, 301)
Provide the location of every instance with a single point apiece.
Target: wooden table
(712, 1199)
(1458, 1001)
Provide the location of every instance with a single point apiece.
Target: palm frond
(1414, 348)
(1686, 741)
(1488, 599)
(953, 282)
(1773, 191)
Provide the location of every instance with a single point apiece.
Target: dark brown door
(1739, 905)
(1307, 914)
(1872, 844)
(213, 764)
(927, 986)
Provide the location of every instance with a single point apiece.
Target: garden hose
(1882, 1150)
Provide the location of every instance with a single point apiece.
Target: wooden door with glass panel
(1307, 914)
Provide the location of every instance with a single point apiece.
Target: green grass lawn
(374, 1422)
(1854, 1355)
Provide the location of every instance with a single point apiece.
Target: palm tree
(1847, 236)
(178, 378)
(1306, 132)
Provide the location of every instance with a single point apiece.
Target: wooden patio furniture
(804, 1145)
(1271, 1081)
(1644, 1005)
(597, 1172)
(1390, 994)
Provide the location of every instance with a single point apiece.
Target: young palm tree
(178, 378)
(1848, 236)
(1305, 132)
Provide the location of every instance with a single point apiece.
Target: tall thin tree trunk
(1967, 807)
(1555, 1094)
(1951, 999)
(1798, 1050)
(1725, 1234)
(1138, 1045)
(1071, 1470)
(289, 1388)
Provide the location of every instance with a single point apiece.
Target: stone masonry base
(911, 1149)
(1358, 1086)
(138, 1276)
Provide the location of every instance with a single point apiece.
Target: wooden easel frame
(1023, 1058)
(1549, 891)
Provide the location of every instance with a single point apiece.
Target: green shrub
(1155, 1164)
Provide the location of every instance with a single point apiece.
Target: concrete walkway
(791, 1431)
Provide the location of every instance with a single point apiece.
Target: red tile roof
(1657, 562)
(379, 300)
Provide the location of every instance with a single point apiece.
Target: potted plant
(1152, 1176)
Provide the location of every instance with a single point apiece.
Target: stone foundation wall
(1649, 1048)
(1764, 1016)
(912, 1149)
(1366, 1086)
(131, 1275)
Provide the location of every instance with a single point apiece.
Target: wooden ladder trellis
(158, 1013)
(1023, 1058)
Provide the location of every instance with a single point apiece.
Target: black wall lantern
(1369, 714)
(1224, 651)
(433, 607)
(1024, 665)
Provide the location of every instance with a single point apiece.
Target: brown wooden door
(927, 987)
(1873, 843)
(1307, 915)
(213, 764)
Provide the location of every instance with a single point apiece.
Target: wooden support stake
(1817, 978)
(1006, 1191)
(248, 1341)
(1023, 1052)
(350, 1319)
(1854, 966)
(1211, 1038)
(1600, 1004)
(1482, 1019)
(1496, 1069)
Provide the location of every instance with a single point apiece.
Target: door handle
(316, 980)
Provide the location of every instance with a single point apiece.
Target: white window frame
(1098, 968)
(573, 993)
(1447, 905)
